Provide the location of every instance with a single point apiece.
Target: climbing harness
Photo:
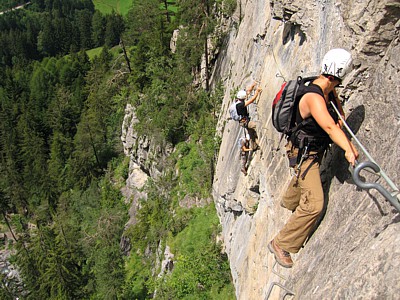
(244, 122)
(393, 197)
(313, 161)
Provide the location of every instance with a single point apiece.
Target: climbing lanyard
(303, 154)
(393, 197)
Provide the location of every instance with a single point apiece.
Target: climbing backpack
(285, 104)
(233, 112)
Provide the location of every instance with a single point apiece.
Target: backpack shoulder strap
(306, 86)
(313, 88)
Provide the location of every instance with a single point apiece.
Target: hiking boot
(282, 257)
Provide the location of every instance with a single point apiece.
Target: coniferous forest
(67, 72)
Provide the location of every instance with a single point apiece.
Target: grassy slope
(106, 6)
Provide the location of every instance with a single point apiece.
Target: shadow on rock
(335, 164)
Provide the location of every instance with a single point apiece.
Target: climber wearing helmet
(241, 107)
(304, 195)
(244, 152)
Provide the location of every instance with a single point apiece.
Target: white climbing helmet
(336, 62)
(241, 95)
(247, 136)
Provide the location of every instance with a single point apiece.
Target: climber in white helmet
(244, 146)
(304, 195)
(241, 104)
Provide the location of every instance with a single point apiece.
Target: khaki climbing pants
(251, 129)
(305, 198)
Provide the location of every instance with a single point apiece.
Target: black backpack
(285, 104)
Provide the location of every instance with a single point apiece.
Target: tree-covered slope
(62, 164)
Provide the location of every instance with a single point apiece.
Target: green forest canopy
(61, 160)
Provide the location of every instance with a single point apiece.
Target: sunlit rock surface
(355, 252)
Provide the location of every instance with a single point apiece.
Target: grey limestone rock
(354, 253)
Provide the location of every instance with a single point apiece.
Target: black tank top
(241, 109)
(317, 137)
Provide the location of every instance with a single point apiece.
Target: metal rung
(276, 272)
(288, 292)
(365, 185)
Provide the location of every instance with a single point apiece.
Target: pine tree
(98, 29)
(114, 29)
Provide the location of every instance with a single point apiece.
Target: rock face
(355, 251)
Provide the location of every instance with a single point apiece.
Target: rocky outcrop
(354, 252)
(146, 159)
(11, 280)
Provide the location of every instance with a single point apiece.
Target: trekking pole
(374, 166)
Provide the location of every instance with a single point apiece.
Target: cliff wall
(355, 251)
